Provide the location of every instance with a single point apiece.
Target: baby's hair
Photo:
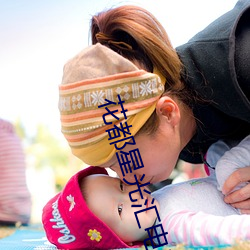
(83, 188)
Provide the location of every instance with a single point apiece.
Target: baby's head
(94, 211)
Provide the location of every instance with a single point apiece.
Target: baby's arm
(200, 229)
(237, 157)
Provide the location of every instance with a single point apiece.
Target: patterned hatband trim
(132, 90)
(82, 120)
(77, 130)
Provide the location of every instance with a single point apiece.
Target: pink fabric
(206, 168)
(200, 229)
(15, 200)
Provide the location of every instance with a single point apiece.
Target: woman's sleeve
(200, 229)
(209, 62)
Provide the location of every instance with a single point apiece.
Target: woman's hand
(240, 198)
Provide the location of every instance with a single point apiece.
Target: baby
(70, 223)
(96, 211)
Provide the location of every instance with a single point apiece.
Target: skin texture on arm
(239, 198)
(235, 183)
(231, 170)
(236, 158)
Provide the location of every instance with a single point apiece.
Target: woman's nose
(130, 178)
(127, 176)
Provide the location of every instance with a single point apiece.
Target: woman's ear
(168, 109)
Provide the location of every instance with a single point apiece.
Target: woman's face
(159, 154)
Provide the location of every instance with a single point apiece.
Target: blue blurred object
(33, 238)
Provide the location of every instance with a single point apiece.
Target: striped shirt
(15, 200)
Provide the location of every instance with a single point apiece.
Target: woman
(206, 93)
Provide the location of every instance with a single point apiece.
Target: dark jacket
(217, 67)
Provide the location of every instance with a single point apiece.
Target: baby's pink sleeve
(201, 229)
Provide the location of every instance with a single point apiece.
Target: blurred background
(36, 39)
